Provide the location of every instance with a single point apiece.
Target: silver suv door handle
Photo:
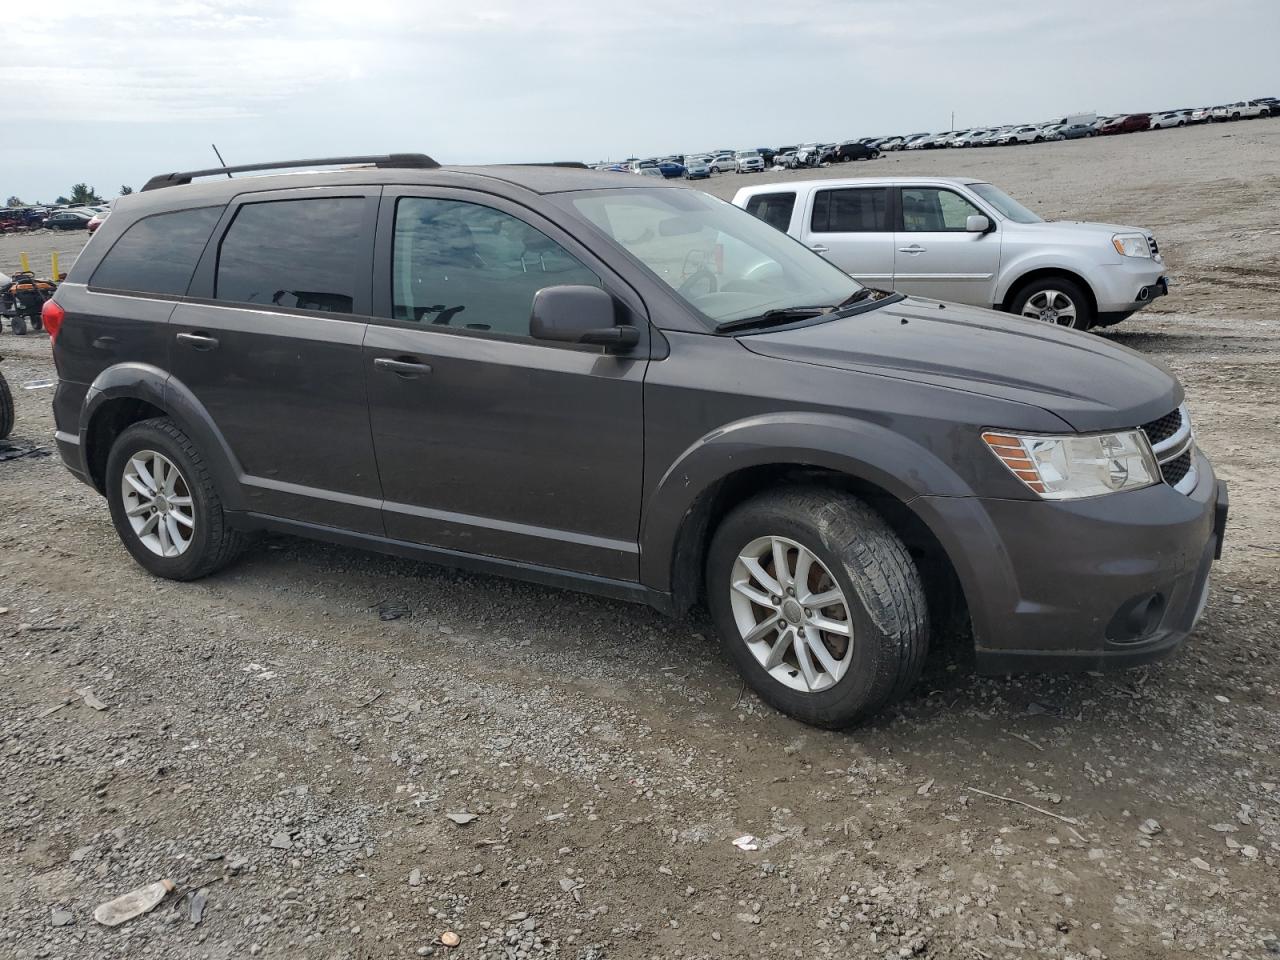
(201, 341)
(914, 248)
(408, 369)
(819, 248)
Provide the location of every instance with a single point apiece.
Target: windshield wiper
(770, 317)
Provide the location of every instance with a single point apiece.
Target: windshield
(1008, 207)
(721, 260)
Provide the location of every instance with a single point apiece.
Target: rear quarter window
(157, 254)
(773, 208)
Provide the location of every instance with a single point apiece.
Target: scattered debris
(924, 788)
(50, 711)
(61, 918)
(462, 817)
(195, 912)
(1150, 827)
(1201, 864)
(16, 449)
(281, 841)
(1224, 828)
(415, 877)
(132, 904)
(392, 610)
(86, 694)
(1070, 821)
(746, 842)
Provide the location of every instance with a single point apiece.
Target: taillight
(51, 316)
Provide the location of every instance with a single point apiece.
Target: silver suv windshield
(1008, 207)
(721, 260)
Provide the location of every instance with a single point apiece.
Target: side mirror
(977, 223)
(574, 313)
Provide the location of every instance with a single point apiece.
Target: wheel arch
(1027, 277)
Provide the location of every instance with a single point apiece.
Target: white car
(749, 161)
(1201, 115)
(1170, 118)
(967, 241)
(969, 139)
(1024, 134)
(918, 141)
(725, 163)
(892, 143)
(1242, 110)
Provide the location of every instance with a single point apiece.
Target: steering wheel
(703, 275)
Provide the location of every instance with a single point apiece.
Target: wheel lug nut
(808, 613)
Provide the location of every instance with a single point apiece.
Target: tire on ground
(1084, 308)
(880, 581)
(214, 543)
(6, 408)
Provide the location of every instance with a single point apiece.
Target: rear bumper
(1107, 582)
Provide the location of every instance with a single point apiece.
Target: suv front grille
(1155, 247)
(1173, 443)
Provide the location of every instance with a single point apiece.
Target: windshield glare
(721, 260)
(1008, 207)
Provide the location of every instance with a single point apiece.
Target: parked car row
(52, 218)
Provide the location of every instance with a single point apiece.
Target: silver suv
(969, 242)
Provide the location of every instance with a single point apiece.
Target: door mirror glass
(977, 223)
(573, 313)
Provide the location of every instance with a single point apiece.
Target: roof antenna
(220, 160)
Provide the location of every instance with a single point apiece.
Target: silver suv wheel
(791, 614)
(1051, 306)
(157, 502)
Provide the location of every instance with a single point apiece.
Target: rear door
(490, 442)
(935, 256)
(269, 342)
(851, 227)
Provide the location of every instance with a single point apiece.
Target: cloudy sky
(112, 91)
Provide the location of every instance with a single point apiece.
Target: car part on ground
(6, 407)
(704, 410)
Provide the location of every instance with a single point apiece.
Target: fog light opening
(1137, 618)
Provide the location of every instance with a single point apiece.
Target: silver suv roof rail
(390, 161)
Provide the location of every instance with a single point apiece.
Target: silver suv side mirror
(977, 223)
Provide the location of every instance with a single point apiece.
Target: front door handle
(200, 341)
(914, 248)
(406, 369)
(819, 248)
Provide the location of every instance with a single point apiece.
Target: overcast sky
(113, 91)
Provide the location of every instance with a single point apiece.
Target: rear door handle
(406, 369)
(914, 248)
(819, 248)
(200, 341)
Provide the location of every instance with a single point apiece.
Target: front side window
(472, 267)
(157, 254)
(934, 210)
(773, 208)
(856, 210)
(723, 262)
(1005, 204)
(303, 254)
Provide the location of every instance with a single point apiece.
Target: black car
(855, 150)
(613, 384)
(68, 220)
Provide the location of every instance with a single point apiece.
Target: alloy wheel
(791, 614)
(157, 502)
(1051, 306)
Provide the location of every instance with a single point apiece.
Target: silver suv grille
(1174, 443)
(1155, 247)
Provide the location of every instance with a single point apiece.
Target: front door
(850, 226)
(490, 442)
(269, 342)
(935, 256)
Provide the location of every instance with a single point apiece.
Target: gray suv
(633, 389)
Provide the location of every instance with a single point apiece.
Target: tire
(854, 553)
(212, 544)
(1029, 297)
(6, 408)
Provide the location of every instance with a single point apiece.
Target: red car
(1127, 123)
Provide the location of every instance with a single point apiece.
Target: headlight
(1071, 467)
(1131, 245)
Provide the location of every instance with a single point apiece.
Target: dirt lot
(267, 736)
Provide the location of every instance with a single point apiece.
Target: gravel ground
(269, 740)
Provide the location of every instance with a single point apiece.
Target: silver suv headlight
(1072, 467)
(1131, 245)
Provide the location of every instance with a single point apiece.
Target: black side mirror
(574, 313)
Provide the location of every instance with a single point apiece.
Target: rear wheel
(818, 603)
(164, 504)
(1055, 300)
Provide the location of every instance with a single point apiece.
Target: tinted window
(465, 265)
(929, 209)
(304, 254)
(773, 208)
(157, 254)
(860, 210)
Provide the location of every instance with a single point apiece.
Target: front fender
(855, 448)
(1015, 268)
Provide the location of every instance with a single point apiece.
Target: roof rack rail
(392, 161)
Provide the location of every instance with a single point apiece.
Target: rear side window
(157, 254)
(303, 254)
(773, 208)
(856, 210)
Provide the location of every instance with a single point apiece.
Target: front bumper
(1128, 284)
(1107, 582)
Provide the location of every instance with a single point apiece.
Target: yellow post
(25, 265)
(53, 259)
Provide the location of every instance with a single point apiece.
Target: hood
(1089, 382)
(1085, 226)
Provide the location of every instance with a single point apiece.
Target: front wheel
(1054, 300)
(164, 504)
(819, 604)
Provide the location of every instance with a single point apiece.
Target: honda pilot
(629, 388)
